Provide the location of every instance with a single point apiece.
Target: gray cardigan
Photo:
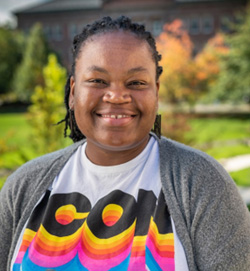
(211, 219)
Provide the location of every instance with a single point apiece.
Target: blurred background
(205, 86)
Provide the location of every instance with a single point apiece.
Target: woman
(121, 199)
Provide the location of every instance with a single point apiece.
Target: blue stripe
(150, 261)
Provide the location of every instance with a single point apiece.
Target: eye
(97, 82)
(137, 84)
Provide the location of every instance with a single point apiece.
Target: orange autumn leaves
(185, 77)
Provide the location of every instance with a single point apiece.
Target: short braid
(104, 25)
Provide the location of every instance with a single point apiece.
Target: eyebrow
(97, 69)
(102, 70)
(137, 69)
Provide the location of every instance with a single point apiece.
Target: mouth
(115, 116)
(116, 119)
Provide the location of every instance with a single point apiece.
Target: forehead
(116, 44)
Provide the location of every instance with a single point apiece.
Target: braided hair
(104, 25)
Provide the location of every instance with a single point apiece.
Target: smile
(116, 116)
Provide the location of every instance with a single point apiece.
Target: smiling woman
(121, 197)
(114, 103)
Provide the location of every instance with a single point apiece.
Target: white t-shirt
(102, 218)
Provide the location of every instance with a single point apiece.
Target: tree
(47, 108)
(175, 47)
(10, 56)
(29, 73)
(233, 83)
(207, 64)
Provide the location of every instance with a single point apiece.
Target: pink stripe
(164, 263)
(50, 261)
(20, 256)
(137, 263)
(102, 265)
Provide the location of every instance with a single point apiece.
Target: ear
(72, 93)
(157, 87)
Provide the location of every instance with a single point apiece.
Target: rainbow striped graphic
(159, 249)
(83, 250)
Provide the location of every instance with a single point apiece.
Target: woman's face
(114, 95)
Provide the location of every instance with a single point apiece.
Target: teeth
(115, 116)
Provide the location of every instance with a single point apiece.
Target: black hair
(104, 25)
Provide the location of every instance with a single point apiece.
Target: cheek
(150, 104)
(85, 99)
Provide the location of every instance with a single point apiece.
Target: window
(57, 33)
(47, 32)
(72, 31)
(194, 26)
(207, 24)
(157, 28)
(225, 22)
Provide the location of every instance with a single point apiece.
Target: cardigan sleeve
(211, 219)
(6, 224)
(219, 220)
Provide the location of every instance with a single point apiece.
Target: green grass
(15, 143)
(14, 128)
(221, 138)
(241, 177)
(218, 129)
(2, 180)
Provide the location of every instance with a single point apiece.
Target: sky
(6, 6)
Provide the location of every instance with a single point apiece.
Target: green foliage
(10, 55)
(47, 108)
(241, 177)
(175, 126)
(29, 73)
(234, 79)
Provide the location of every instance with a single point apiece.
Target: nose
(117, 95)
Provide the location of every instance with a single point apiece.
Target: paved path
(237, 163)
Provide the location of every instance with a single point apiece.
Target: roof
(61, 5)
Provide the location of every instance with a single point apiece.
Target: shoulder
(188, 159)
(192, 174)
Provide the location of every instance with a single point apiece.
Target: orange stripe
(112, 213)
(48, 242)
(107, 248)
(54, 252)
(163, 245)
(138, 253)
(106, 255)
(109, 243)
(53, 246)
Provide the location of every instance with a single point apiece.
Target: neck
(113, 156)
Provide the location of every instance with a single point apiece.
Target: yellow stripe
(46, 236)
(167, 238)
(97, 242)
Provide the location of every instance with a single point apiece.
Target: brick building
(62, 19)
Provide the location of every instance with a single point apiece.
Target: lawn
(14, 128)
(241, 177)
(220, 137)
(15, 146)
(223, 138)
